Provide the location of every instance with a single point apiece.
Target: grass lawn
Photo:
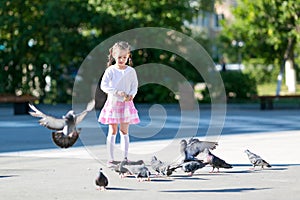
(270, 89)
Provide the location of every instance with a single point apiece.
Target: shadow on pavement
(8, 176)
(225, 190)
(122, 189)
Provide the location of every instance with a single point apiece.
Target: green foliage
(238, 86)
(41, 40)
(269, 29)
(48, 40)
(262, 73)
(155, 93)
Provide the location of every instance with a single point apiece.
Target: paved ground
(41, 171)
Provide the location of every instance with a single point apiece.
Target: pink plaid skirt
(116, 112)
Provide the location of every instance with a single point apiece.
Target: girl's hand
(128, 98)
(121, 93)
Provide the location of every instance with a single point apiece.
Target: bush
(238, 86)
(154, 93)
(262, 73)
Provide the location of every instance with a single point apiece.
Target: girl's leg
(111, 140)
(124, 138)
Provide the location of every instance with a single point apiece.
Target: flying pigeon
(256, 160)
(66, 133)
(159, 166)
(101, 181)
(194, 147)
(192, 166)
(138, 169)
(215, 161)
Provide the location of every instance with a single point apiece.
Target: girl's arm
(134, 84)
(104, 85)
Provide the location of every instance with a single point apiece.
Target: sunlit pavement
(31, 167)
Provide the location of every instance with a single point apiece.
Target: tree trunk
(288, 64)
(290, 74)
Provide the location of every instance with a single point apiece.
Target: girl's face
(121, 57)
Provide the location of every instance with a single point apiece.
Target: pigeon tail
(227, 166)
(267, 164)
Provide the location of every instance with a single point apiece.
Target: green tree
(270, 30)
(41, 40)
(43, 43)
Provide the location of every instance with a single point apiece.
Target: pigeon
(170, 170)
(119, 168)
(101, 181)
(159, 166)
(192, 139)
(66, 133)
(192, 166)
(138, 169)
(256, 160)
(194, 147)
(215, 161)
(143, 174)
(122, 167)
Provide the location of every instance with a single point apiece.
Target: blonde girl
(120, 83)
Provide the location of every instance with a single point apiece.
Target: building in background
(207, 25)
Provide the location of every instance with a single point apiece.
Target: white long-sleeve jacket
(115, 79)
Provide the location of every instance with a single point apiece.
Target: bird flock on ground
(189, 163)
(66, 134)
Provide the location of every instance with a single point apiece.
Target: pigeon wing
(197, 147)
(46, 120)
(90, 106)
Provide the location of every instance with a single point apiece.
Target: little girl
(120, 83)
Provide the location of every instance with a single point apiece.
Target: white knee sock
(110, 145)
(124, 143)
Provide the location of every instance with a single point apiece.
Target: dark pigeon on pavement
(101, 181)
(215, 161)
(194, 148)
(192, 166)
(170, 169)
(66, 133)
(256, 160)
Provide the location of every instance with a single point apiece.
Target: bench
(267, 101)
(20, 102)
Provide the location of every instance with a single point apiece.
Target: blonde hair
(122, 45)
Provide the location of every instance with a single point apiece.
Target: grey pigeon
(192, 139)
(140, 171)
(122, 167)
(159, 166)
(66, 133)
(215, 161)
(194, 147)
(119, 168)
(101, 180)
(143, 173)
(256, 160)
(192, 166)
